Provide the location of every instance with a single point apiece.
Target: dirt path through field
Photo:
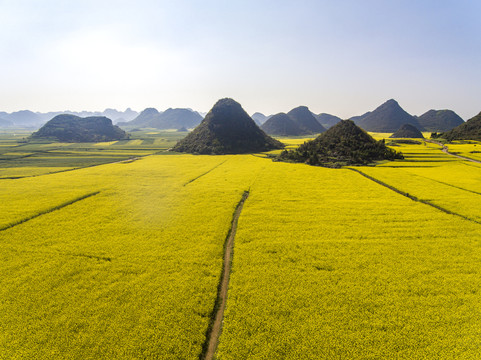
(446, 151)
(215, 327)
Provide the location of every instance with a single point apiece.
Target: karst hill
(282, 125)
(388, 117)
(71, 128)
(408, 131)
(440, 120)
(327, 120)
(227, 129)
(169, 119)
(298, 121)
(305, 120)
(343, 144)
(470, 130)
(144, 119)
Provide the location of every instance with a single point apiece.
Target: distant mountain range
(169, 119)
(5, 123)
(33, 120)
(389, 117)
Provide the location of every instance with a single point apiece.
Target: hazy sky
(344, 57)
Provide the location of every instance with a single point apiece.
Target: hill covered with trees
(298, 121)
(343, 144)
(439, 120)
(327, 120)
(408, 131)
(282, 125)
(305, 120)
(227, 129)
(470, 130)
(71, 128)
(388, 117)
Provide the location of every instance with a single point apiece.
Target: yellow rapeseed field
(329, 264)
(123, 260)
(130, 272)
(470, 149)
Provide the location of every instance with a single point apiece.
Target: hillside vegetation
(305, 120)
(227, 129)
(408, 131)
(327, 120)
(298, 121)
(470, 130)
(343, 144)
(282, 125)
(388, 117)
(440, 120)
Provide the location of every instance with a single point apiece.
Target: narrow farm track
(217, 316)
(412, 197)
(58, 207)
(446, 151)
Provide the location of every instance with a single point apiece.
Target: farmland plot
(130, 272)
(329, 264)
(123, 260)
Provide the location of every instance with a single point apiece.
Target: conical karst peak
(227, 129)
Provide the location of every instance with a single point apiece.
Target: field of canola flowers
(470, 149)
(122, 260)
(130, 272)
(369, 274)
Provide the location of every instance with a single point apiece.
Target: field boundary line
(47, 211)
(217, 316)
(66, 253)
(412, 197)
(467, 163)
(125, 161)
(447, 184)
(208, 171)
